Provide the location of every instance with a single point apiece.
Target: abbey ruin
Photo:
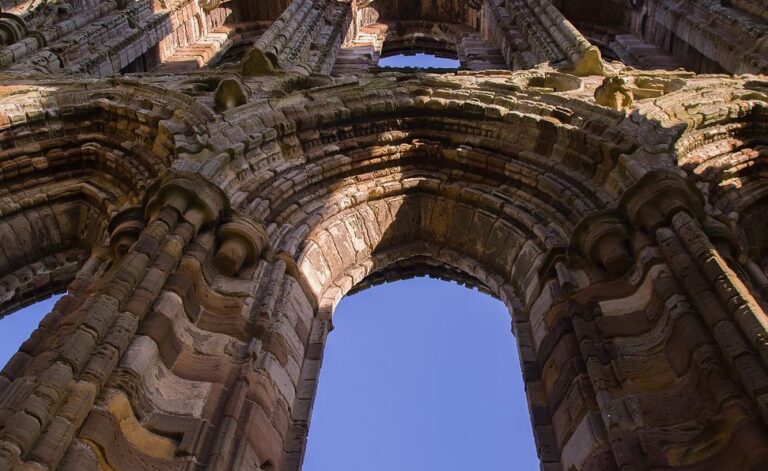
(206, 179)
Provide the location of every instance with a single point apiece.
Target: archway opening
(16, 328)
(418, 61)
(420, 374)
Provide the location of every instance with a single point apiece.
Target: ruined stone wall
(207, 208)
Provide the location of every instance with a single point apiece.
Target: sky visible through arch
(16, 328)
(421, 375)
(419, 60)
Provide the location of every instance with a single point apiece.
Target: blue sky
(420, 375)
(17, 327)
(418, 60)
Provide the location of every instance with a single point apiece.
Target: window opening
(420, 374)
(418, 61)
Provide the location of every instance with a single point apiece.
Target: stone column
(604, 239)
(703, 36)
(566, 374)
(550, 35)
(719, 323)
(673, 341)
(732, 315)
(306, 39)
(54, 392)
(499, 27)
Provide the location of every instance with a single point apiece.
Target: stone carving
(207, 179)
(12, 29)
(230, 93)
(605, 241)
(242, 243)
(614, 93)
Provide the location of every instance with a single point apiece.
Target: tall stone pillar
(50, 411)
(667, 208)
(672, 338)
(305, 39)
(186, 343)
(550, 37)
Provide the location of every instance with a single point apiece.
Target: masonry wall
(207, 179)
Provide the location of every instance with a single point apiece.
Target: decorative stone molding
(555, 39)
(12, 29)
(301, 40)
(189, 194)
(548, 81)
(241, 243)
(723, 237)
(658, 196)
(124, 230)
(603, 238)
(555, 266)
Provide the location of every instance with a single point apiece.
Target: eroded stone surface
(208, 179)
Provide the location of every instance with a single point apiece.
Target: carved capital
(603, 238)
(242, 242)
(124, 229)
(257, 62)
(590, 62)
(614, 93)
(195, 198)
(12, 29)
(657, 196)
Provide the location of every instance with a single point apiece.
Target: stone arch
(405, 177)
(571, 187)
(74, 156)
(475, 118)
(636, 313)
(417, 140)
(372, 237)
(591, 271)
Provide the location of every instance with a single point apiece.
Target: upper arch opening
(449, 29)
